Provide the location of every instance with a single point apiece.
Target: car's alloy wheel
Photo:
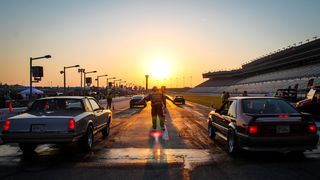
(88, 139)
(231, 142)
(211, 131)
(106, 130)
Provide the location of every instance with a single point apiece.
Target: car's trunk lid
(281, 125)
(49, 122)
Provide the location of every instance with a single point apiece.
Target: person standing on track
(109, 100)
(156, 98)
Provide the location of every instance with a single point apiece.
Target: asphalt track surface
(131, 152)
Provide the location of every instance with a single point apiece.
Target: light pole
(147, 77)
(98, 79)
(81, 71)
(114, 82)
(31, 59)
(108, 81)
(64, 77)
(84, 77)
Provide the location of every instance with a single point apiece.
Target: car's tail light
(6, 125)
(312, 128)
(72, 125)
(253, 130)
(283, 116)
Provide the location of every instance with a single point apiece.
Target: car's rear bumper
(138, 104)
(178, 102)
(40, 138)
(280, 144)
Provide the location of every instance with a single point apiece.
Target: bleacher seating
(295, 65)
(260, 87)
(306, 71)
(219, 82)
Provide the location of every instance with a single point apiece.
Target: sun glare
(159, 69)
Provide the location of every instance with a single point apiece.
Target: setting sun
(159, 69)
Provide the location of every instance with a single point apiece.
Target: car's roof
(63, 97)
(253, 97)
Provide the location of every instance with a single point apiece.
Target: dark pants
(109, 103)
(156, 111)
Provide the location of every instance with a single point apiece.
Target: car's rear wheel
(106, 130)
(87, 142)
(211, 132)
(27, 147)
(232, 145)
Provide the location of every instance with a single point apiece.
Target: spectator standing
(245, 93)
(223, 97)
(2, 101)
(109, 100)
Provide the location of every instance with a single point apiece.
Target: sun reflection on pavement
(157, 150)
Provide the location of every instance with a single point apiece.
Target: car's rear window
(267, 106)
(179, 98)
(137, 97)
(57, 105)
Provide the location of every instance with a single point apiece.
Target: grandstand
(291, 67)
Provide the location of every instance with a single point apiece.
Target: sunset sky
(125, 38)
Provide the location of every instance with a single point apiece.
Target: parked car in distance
(60, 119)
(179, 100)
(138, 101)
(262, 124)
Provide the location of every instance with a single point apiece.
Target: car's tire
(87, 141)
(211, 132)
(105, 131)
(232, 146)
(27, 147)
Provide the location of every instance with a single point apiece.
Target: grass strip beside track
(203, 100)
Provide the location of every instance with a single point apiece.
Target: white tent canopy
(34, 91)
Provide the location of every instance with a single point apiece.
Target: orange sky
(123, 38)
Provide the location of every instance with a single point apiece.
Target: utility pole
(31, 71)
(147, 77)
